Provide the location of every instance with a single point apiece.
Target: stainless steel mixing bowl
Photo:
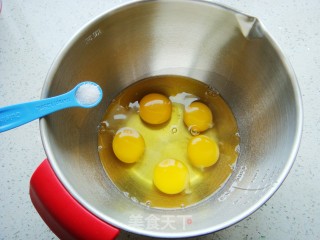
(228, 50)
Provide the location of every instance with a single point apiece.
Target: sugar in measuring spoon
(86, 95)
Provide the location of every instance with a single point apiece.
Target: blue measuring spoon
(83, 95)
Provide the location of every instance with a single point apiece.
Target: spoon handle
(19, 114)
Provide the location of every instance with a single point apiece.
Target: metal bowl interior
(223, 48)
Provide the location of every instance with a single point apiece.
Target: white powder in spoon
(87, 94)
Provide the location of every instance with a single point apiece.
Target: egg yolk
(203, 151)
(128, 145)
(197, 117)
(171, 176)
(155, 108)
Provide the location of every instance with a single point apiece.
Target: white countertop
(32, 33)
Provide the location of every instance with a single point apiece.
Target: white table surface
(31, 34)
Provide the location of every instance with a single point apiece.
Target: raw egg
(171, 176)
(128, 145)
(167, 173)
(155, 108)
(197, 117)
(203, 151)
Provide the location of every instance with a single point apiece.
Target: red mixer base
(61, 212)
